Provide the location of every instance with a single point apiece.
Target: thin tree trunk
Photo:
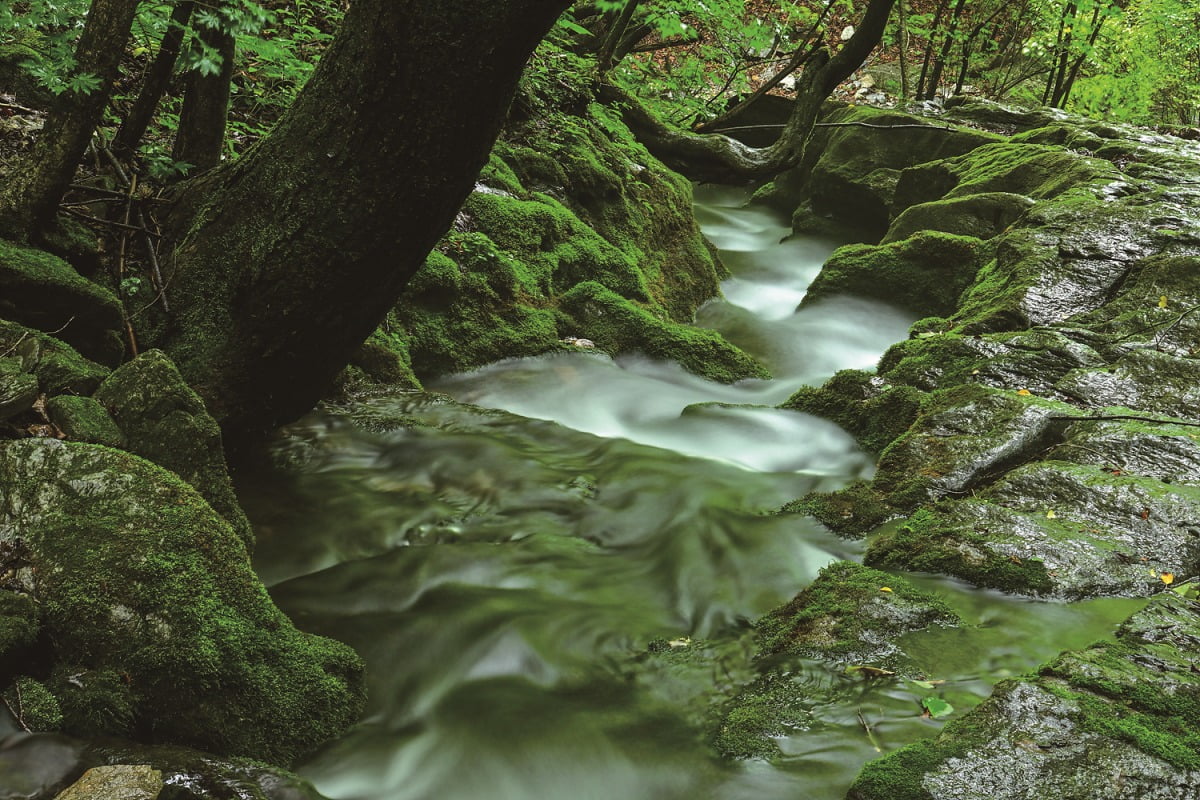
(202, 119)
(29, 204)
(927, 58)
(712, 157)
(158, 77)
(1097, 24)
(939, 63)
(903, 42)
(289, 257)
(612, 39)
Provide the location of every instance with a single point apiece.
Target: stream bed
(501, 564)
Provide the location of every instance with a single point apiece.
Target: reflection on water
(498, 570)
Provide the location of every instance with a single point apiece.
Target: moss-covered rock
(979, 215)
(83, 419)
(18, 389)
(58, 367)
(852, 615)
(619, 326)
(924, 273)
(865, 405)
(163, 420)
(148, 591)
(852, 511)
(19, 623)
(44, 292)
(1114, 721)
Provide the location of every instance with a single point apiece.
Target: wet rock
(83, 419)
(852, 615)
(1000, 117)
(925, 273)
(44, 292)
(1067, 530)
(1166, 452)
(1145, 379)
(865, 405)
(57, 366)
(163, 420)
(979, 215)
(18, 389)
(123, 782)
(157, 624)
(1114, 721)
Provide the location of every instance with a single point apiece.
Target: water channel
(502, 565)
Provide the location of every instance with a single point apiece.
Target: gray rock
(121, 782)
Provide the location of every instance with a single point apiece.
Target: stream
(501, 566)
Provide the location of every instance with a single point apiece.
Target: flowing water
(503, 566)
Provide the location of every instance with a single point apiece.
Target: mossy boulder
(83, 419)
(141, 583)
(33, 706)
(19, 621)
(853, 165)
(852, 615)
(620, 326)
(865, 405)
(163, 420)
(44, 292)
(18, 389)
(58, 367)
(979, 215)
(924, 273)
(1114, 721)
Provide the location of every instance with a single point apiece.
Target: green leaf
(936, 707)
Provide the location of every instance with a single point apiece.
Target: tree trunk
(158, 77)
(939, 63)
(289, 257)
(201, 133)
(29, 203)
(717, 158)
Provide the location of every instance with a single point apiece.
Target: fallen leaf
(936, 707)
(1162, 301)
(1050, 514)
(1145, 513)
(1024, 392)
(869, 671)
(1167, 577)
(885, 589)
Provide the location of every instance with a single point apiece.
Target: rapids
(501, 565)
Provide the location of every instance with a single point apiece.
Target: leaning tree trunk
(288, 258)
(201, 134)
(717, 158)
(29, 203)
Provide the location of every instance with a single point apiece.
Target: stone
(163, 420)
(121, 782)
(83, 419)
(156, 624)
(37, 766)
(979, 215)
(42, 291)
(58, 367)
(18, 389)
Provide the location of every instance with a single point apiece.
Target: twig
(839, 125)
(1129, 416)
(112, 222)
(155, 272)
(16, 107)
(862, 720)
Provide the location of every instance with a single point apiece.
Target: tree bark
(288, 258)
(717, 158)
(29, 203)
(201, 133)
(154, 86)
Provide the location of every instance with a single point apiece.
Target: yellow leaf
(1153, 573)
(1162, 301)
(1167, 577)
(1024, 392)
(885, 589)
(1050, 514)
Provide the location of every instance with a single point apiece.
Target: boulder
(163, 420)
(157, 627)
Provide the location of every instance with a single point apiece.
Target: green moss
(978, 215)
(897, 775)
(927, 542)
(33, 705)
(95, 702)
(846, 614)
(748, 723)
(58, 367)
(163, 420)
(931, 362)
(873, 412)
(43, 291)
(617, 325)
(83, 419)
(925, 273)
(139, 577)
(19, 623)
(852, 511)
(385, 359)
